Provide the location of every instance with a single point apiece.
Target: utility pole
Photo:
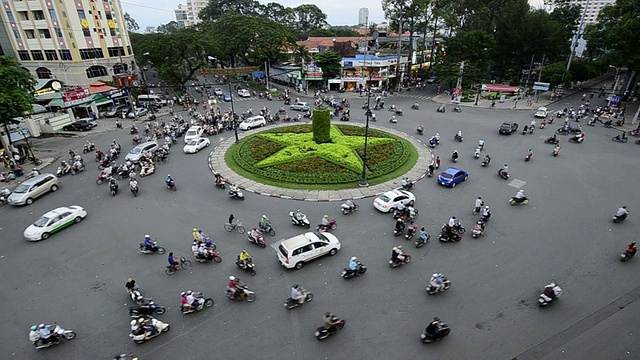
(399, 47)
(459, 83)
(574, 43)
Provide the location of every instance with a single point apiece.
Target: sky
(157, 12)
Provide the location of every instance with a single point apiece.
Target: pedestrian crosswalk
(422, 97)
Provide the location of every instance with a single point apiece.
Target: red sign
(75, 96)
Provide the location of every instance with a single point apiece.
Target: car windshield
(42, 222)
(320, 236)
(21, 189)
(192, 132)
(192, 142)
(384, 198)
(446, 175)
(135, 151)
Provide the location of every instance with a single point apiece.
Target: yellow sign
(111, 24)
(84, 23)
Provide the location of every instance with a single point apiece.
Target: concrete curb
(217, 164)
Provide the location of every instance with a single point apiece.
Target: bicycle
(184, 265)
(237, 226)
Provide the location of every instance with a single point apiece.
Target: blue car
(452, 176)
(226, 97)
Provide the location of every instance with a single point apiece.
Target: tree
(217, 8)
(329, 62)
(310, 17)
(555, 73)
(280, 14)
(17, 87)
(168, 28)
(132, 25)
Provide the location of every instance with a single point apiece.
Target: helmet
(399, 246)
(183, 293)
(295, 286)
(41, 326)
(194, 229)
(129, 280)
(147, 235)
(232, 278)
(141, 320)
(395, 248)
(189, 292)
(34, 328)
(354, 258)
(325, 216)
(434, 275)
(487, 207)
(633, 243)
(327, 314)
(133, 322)
(264, 216)
(244, 251)
(624, 207)
(480, 197)
(168, 175)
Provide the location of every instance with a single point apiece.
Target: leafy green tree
(474, 47)
(310, 17)
(132, 25)
(341, 31)
(321, 125)
(168, 28)
(17, 87)
(555, 73)
(329, 62)
(582, 70)
(280, 14)
(217, 8)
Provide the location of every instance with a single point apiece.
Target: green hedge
(321, 125)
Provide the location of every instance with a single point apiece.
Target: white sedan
(195, 145)
(541, 112)
(253, 122)
(391, 199)
(54, 221)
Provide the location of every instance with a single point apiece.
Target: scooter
(113, 189)
(322, 333)
(89, 147)
(446, 284)
(444, 237)
(420, 130)
(331, 226)
(202, 303)
(485, 162)
(551, 292)
(57, 333)
(76, 169)
(348, 274)
(556, 150)
(248, 265)
(478, 229)
(428, 338)
(155, 248)
(211, 255)
(303, 221)
(346, 209)
(552, 140)
(63, 171)
(147, 309)
(620, 139)
(220, 184)
(458, 137)
(515, 201)
(527, 157)
(133, 186)
(236, 195)
(411, 231)
(420, 242)
(147, 335)
(306, 297)
(258, 240)
(618, 219)
(267, 229)
(503, 174)
(246, 294)
(476, 154)
(578, 139)
(171, 185)
(415, 107)
(397, 262)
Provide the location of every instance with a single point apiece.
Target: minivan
(136, 153)
(193, 133)
(155, 99)
(33, 188)
(295, 251)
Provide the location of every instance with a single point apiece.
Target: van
(33, 188)
(296, 251)
(136, 153)
(155, 99)
(193, 133)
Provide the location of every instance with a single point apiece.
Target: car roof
(57, 211)
(452, 170)
(508, 123)
(299, 240)
(395, 192)
(36, 178)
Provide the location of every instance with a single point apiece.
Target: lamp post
(363, 181)
(144, 80)
(615, 85)
(233, 111)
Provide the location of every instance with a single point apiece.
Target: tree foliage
(329, 62)
(321, 125)
(16, 90)
(132, 25)
(168, 28)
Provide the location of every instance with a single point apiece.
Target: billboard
(74, 97)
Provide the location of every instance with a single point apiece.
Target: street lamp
(233, 111)
(144, 80)
(363, 181)
(615, 85)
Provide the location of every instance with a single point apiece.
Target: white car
(300, 106)
(253, 122)
(294, 252)
(217, 91)
(194, 132)
(195, 145)
(541, 112)
(244, 93)
(54, 221)
(140, 111)
(391, 199)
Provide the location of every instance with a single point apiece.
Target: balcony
(41, 24)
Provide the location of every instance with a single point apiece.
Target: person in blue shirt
(148, 242)
(353, 264)
(172, 262)
(423, 236)
(169, 179)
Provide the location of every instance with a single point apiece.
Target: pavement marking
(517, 183)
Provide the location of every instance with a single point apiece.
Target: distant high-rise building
(590, 13)
(363, 16)
(77, 42)
(187, 16)
(182, 16)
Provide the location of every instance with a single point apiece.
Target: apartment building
(187, 16)
(75, 41)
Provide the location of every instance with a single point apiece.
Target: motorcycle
(331, 226)
(306, 297)
(236, 195)
(155, 248)
(322, 333)
(476, 154)
(101, 178)
(618, 219)
(457, 108)
(267, 229)
(446, 284)
(248, 266)
(578, 139)
(134, 188)
(626, 256)
(444, 331)
(172, 185)
(440, 109)
(415, 107)
(620, 139)
(211, 255)
(258, 240)
(411, 231)
(57, 333)
(346, 209)
(113, 189)
(486, 161)
(247, 294)
(420, 130)
(303, 221)
(515, 201)
(149, 308)
(550, 293)
(89, 147)
(77, 168)
(63, 171)
(527, 157)
(556, 150)
(202, 303)
(454, 157)
(458, 138)
(220, 184)
(147, 170)
(397, 262)
(133, 130)
(503, 174)
(444, 237)
(348, 274)
(148, 335)
(420, 242)
(551, 140)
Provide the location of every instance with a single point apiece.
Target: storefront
(364, 71)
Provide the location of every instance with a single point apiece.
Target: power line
(146, 6)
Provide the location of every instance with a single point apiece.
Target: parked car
(33, 188)
(452, 176)
(253, 122)
(54, 221)
(300, 106)
(508, 127)
(80, 125)
(296, 251)
(114, 111)
(195, 145)
(140, 111)
(136, 153)
(391, 199)
(541, 112)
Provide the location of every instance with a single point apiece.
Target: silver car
(33, 188)
(136, 153)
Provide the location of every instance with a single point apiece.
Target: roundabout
(285, 162)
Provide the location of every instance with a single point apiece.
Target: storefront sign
(75, 97)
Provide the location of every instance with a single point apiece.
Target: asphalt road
(76, 278)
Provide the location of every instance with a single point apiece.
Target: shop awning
(100, 87)
(57, 101)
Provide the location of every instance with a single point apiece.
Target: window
(51, 55)
(81, 15)
(95, 53)
(24, 55)
(129, 49)
(108, 15)
(65, 55)
(120, 68)
(38, 15)
(30, 34)
(44, 33)
(86, 32)
(52, 14)
(23, 15)
(16, 33)
(99, 14)
(112, 32)
(116, 51)
(10, 16)
(96, 71)
(58, 32)
(37, 55)
(43, 73)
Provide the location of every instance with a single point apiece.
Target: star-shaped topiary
(340, 151)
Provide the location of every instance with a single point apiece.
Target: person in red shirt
(437, 162)
(631, 248)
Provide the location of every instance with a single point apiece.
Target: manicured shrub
(321, 125)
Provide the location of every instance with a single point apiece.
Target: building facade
(187, 16)
(364, 71)
(75, 41)
(363, 16)
(182, 16)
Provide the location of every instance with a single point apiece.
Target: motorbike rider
(353, 264)
(200, 236)
(195, 249)
(192, 301)
(233, 190)
(172, 262)
(296, 293)
(299, 215)
(486, 213)
(65, 167)
(265, 223)
(244, 258)
(434, 327)
(400, 225)
(481, 144)
(412, 228)
(416, 106)
(423, 236)
(505, 169)
(420, 129)
(552, 291)
(235, 287)
(437, 281)
(397, 255)
(113, 182)
(148, 243)
(45, 334)
(254, 233)
(5, 193)
(406, 184)
(169, 179)
(631, 249)
(479, 204)
(487, 158)
(327, 321)
(622, 213)
(325, 221)
(430, 170)
(147, 325)
(349, 205)
(454, 155)
(530, 153)
(453, 222)
(411, 211)
(459, 135)
(437, 162)
(218, 178)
